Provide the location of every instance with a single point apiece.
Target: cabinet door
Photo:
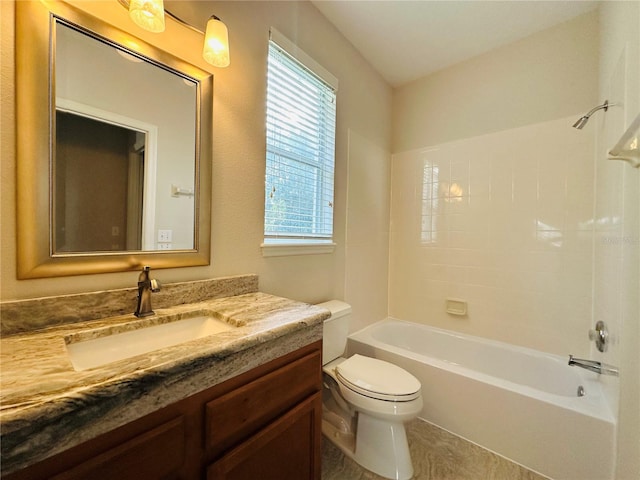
(287, 449)
(156, 454)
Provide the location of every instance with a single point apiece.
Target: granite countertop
(47, 407)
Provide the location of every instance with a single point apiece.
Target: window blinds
(301, 116)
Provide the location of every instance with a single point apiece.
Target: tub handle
(599, 336)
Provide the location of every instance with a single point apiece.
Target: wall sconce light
(216, 43)
(149, 15)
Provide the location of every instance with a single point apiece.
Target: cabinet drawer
(241, 412)
(158, 453)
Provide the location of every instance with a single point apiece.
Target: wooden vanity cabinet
(263, 424)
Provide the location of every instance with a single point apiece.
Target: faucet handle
(599, 336)
(155, 286)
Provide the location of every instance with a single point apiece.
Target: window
(301, 124)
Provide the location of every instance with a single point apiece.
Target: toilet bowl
(366, 402)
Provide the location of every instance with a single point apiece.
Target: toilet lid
(378, 379)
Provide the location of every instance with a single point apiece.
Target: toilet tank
(335, 330)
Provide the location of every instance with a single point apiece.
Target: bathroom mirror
(113, 148)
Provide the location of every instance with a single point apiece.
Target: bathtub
(519, 403)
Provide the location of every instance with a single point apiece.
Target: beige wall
(548, 75)
(367, 235)
(617, 240)
(364, 106)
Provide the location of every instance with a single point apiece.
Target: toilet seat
(377, 379)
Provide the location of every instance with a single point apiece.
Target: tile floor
(436, 454)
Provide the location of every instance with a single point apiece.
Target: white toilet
(366, 402)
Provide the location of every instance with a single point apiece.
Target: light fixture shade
(216, 43)
(148, 14)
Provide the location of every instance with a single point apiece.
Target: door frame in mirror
(150, 162)
(35, 143)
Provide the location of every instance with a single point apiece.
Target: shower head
(582, 121)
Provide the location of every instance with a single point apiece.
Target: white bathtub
(517, 402)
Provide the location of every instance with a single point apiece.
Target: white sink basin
(111, 348)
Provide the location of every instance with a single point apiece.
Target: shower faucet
(600, 336)
(593, 366)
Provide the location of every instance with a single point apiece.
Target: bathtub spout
(593, 366)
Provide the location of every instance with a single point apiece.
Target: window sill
(277, 249)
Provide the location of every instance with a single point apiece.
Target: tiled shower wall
(503, 221)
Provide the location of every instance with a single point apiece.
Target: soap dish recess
(456, 306)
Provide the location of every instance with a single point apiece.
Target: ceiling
(405, 40)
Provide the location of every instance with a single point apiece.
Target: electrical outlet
(165, 235)
(164, 246)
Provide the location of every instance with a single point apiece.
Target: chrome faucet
(593, 366)
(146, 286)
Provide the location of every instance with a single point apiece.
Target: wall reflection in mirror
(125, 134)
